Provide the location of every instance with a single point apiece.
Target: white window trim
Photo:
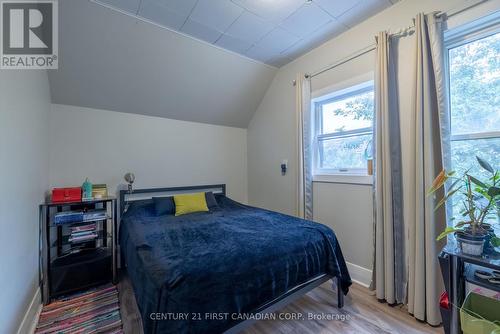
(340, 175)
(461, 35)
(361, 179)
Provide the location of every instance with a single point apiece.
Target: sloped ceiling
(109, 60)
(272, 31)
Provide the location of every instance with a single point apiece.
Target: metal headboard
(135, 195)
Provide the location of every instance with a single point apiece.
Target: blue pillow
(211, 201)
(164, 206)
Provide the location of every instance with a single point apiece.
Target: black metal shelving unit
(68, 265)
(458, 268)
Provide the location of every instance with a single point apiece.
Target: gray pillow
(164, 205)
(211, 201)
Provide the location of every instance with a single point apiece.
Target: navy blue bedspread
(232, 259)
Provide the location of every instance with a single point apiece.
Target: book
(88, 237)
(95, 214)
(89, 227)
(68, 217)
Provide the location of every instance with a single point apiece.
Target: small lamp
(130, 178)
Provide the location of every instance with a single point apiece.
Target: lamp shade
(129, 177)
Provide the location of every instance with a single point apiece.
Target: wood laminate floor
(361, 314)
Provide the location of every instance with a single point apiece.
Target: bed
(213, 272)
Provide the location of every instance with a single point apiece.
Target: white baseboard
(30, 320)
(359, 274)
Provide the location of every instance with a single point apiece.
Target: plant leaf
(495, 241)
(494, 191)
(444, 199)
(477, 182)
(462, 224)
(455, 183)
(446, 231)
(485, 164)
(438, 182)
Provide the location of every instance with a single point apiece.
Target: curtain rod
(353, 56)
(400, 33)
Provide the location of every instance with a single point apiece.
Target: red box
(67, 194)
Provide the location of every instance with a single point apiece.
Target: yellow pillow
(189, 203)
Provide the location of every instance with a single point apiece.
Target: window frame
(316, 105)
(468, 33)
(453, 38)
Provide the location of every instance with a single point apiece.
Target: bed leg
(340, 294)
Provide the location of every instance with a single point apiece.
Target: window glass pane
(340, 153)
(464, 157)
(355, 112)
(475, 86)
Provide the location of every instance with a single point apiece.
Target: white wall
(104, 145)
(24, 111)
(272, 131)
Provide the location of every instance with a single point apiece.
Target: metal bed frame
(288, 297)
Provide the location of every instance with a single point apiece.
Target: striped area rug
(94, 311)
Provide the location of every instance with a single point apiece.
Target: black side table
(457, 269)
(69, 264)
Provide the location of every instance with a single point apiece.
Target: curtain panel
(430, 115)
(305, 147)
(389, 273)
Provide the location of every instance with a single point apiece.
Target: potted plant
(479, 201)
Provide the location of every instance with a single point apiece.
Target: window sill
(344, 178)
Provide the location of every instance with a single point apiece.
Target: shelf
(88, 221)
(78, 271)
(489, 259)
(68, 267)
(77, 259)
(92, 201)
(65, 239)
(471, 278)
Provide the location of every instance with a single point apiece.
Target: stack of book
(68, 217)
(83, 233)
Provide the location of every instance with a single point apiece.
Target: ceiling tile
(161, 14)
(262, 54)
(130, 6)
(180, 7)
(306, 19)
(216, 14)
(279, 61)
(272, 10)
(277, 41)
(200, 31)
(318, 37)
(336, 7)
(233, 44)
(363, 10)
(249, 27)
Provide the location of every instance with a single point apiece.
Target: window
(343, 130)
(474, 100)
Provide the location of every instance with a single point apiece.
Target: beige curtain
(389, 276)
(424, 224)
(304, 146)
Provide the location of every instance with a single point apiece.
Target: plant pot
(488, 232)
(471, 244)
